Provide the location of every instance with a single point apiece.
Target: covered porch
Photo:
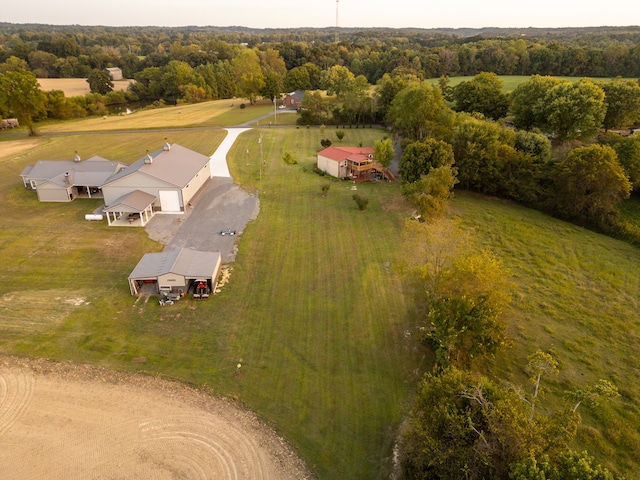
(132, 210)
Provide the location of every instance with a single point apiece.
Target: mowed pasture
(315, 310)
(510, 82)
(216, 113)
(75, 87)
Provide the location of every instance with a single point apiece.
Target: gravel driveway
(220, 205)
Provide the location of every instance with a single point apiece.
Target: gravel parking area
(220, 205)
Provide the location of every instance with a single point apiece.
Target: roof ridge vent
(148, 159)
(166, 147)
(76, 157)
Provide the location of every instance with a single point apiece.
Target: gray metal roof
(184, 261)
(135, 201)
(91, 172)
(176, 166)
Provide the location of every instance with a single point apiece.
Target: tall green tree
(338, 80)
(483, 94)
(297, 79)
(590, 183)
(622, 99)
(418, 158)
(628, 150)
(248, 74)
(574, 110)
(527, 101)
(419, 112)
(21, 96)
(383, 151)
(100, 82)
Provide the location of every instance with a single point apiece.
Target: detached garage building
(176, 271)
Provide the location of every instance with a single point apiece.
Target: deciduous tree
(483, 94)
(590, 183)
(99, 82)
(418, 158)
(384, 152)
(622, 99)
(21, 96)
(574, 110)
(419, 112)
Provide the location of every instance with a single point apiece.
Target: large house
(66, 180)
(352, 163)
(165, 180)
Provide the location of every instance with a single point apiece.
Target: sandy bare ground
(64, 421)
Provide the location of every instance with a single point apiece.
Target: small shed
(176, 271)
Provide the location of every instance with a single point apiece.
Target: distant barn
(115, 73)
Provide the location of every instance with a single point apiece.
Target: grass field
(209, 114)
(314, 310)
(74, 87)
(510, 82)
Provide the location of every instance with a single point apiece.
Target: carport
(176, 271)
(135, 209)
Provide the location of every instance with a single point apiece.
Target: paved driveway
(219, 205)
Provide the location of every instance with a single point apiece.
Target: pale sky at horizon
(322, 13)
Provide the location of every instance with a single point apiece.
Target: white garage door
(169, 201)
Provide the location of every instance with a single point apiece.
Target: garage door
(169, 201)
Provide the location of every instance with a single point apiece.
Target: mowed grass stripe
(317, 352)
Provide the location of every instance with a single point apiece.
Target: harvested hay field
(74, 87)
(65, 421)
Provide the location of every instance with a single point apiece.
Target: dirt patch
(9, 149)
(64, 421)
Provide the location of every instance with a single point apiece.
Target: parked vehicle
(228, 231)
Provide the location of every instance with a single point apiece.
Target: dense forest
(72, 51)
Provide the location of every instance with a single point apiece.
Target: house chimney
(67, 177)
(76, 157)
(166, 147)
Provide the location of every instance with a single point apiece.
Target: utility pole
(337, 23)
(261, 158)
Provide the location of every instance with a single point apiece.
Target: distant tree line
(74, 51)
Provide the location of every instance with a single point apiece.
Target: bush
(361, 201)
(340, 134)
(242, 105)
(288, 158)
(325, 142)
(325, 189)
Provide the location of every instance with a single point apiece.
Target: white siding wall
(328, 165)
(196, 183)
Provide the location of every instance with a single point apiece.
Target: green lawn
(315, 310)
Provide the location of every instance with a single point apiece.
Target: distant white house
(115, 73)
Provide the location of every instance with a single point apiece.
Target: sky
(322, 13)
